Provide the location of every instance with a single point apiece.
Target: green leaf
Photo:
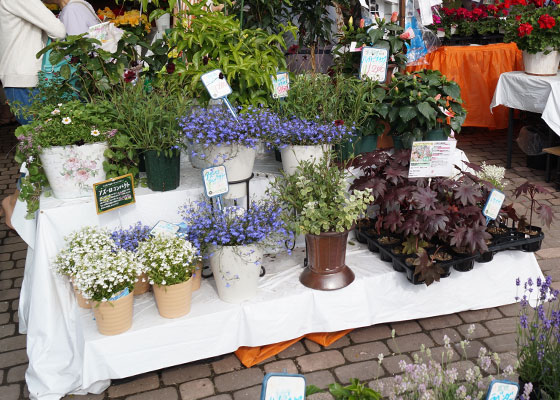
(407, 113)
(65, 71)
(452, 90)
(427, 111)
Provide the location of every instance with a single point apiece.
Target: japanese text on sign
(114, 193)
(493, 204)
(216, 84)
(430, 159)
(215, 181)
(374, 63)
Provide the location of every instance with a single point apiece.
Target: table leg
(510, 138)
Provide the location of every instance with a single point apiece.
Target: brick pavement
(223, 378)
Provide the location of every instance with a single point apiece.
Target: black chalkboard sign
(114, 193)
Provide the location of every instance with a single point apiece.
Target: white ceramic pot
(440, 34)
(72, 170)
(163, 22)
(238, 160)
(196, 160)
(236, 271)
(453, 29)
(292, 155)
(541, 64)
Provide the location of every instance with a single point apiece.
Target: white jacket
(24, 26)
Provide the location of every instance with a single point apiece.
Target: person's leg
(8, 206)
(18, 99)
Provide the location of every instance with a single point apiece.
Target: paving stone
(441, 321)
(510, 310)
(13, 343)
(189, 372)
(228, 364)
(391, 364)
(198, 389)
(19, 255)
(549, 253)
(18, 282)
(405, 327)
(219, 397)
(280, 366)
(12, 248)
(140, 383)
(370, 333)
(462, 367)
(365, 351)
(383, 386)
(89, 396)
(438, 354)
(404, 344)
(4, 305)
(439, 334)
(10, 392)
(9, 294)
(470, 350)
(248, 394)
(17, 374)
(479, 331)
(238, 379)
(168, 393)
(12, 273)
(7, 330)
(321, 396)
(318, 361)
(15, 304)
(12, 358)
(6, 284)
(340, 343)
(501, 326)
(293, 351)
(501, 343)
(312, 346)
(480, 315)
(364, 371)
(321, 379)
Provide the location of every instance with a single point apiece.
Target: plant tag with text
(114, 193)
(280, 84)
(374, 63)
(502, 390)
(215, 181)
(493, 204)
(278, 386)
(431, 159)
(216, 84)
(164, 227)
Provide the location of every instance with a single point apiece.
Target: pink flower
(408, 34)
(394, 17)
(438, 96)
(82, 175)
(437, 19)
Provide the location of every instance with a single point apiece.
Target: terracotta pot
(174, 301)
(142, 285)
(114, 317)
(82, 302)
(326, 269)
(197, 276)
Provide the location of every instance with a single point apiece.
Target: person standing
(76, 15)
(24, 27)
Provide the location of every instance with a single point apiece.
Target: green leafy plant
(265, 14)
(354, 391)
(423, 101)
(533, 28)
(317, 200)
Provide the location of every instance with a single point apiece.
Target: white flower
(56, 111)
(380, 357)
(95, 132)
(60, 104)
(66, 120)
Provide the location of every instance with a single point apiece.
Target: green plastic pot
(163, 172)
(359, 145)
(399, 143)
(435, 134)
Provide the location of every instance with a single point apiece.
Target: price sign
(216, 84)
(493, 205)
(502, 390)
(374, 63)
(215, 181)
(114, 193)
(430, 159)
(281, 85)
(283, 387)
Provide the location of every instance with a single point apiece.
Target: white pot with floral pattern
(72, 170)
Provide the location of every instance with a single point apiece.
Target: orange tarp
(477, 69)
(250, 356)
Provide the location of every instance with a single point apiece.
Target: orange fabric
(250, 356)
(477, 69)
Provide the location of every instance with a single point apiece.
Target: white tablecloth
(539, 94)
(68, 355)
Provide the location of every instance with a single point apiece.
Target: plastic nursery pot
(174, 301)
(534, 246)
(81, 300)
(435, 134)
(142, 284)
(326, 269)
(485, 257)
(163, 172)
(464, 266)
(197, 276)
(114, 317)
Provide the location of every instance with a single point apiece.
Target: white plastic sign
(216, 84)
(283, 387)
(280, 84)
(215, 181)
(493, 204)
(431, 159)
(374, 63)
(502, 390)
(164, 227)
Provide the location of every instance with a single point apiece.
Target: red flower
(546, 21)
(129, 76)
(524, 29)
(293, 49)
(518, 18)
(170, 67)
(338, 122)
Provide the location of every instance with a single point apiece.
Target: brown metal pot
(326, 269)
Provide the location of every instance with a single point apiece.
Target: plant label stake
(164, 227)
(215, 183)
(493, 205)
(281, 386)
(280, 84)
(431, 159)
(218, 88)
(502, 390)
(374, 63)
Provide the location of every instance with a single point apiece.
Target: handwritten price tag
(493, 204)
(374, 63)
(215, 181)
(281, 85)
(283, 387)
(216, 84)
(502, 390)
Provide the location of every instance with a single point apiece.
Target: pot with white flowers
(304, 140)
(69, 261)
(233, 239)
(171, 261)
(67, 144)
(216, 137)
(320, 207)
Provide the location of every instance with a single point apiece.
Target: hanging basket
(114, 317)
(541, 64)
(174, 301)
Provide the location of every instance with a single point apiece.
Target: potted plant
(423, 105)
(129, 239)
(534, 27)
(171, 262)
(147, 115)
(65, 143)
(319, 206)
(234, 239)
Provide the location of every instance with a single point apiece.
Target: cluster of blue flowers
(216, 126)
(232, 226)
(130, 238)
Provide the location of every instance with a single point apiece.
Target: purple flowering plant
(538, 335)
(301, 132)
(233, 226)
(129, 239)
